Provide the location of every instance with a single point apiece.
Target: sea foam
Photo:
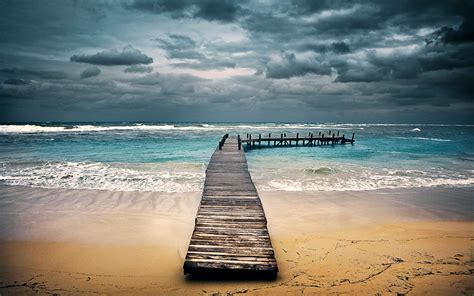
(102, 176)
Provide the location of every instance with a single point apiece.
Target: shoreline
(97, 242)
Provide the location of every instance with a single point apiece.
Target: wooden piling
(287, 141)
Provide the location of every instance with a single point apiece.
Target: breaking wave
(424, 139)
(83, 128)
(102, 176)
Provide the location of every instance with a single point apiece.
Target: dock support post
(259, 140)
(239, 141)
(297, 135)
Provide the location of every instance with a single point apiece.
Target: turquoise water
(173, 157)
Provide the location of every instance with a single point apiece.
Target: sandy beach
(381, 242)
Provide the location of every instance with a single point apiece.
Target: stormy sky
(217, 60)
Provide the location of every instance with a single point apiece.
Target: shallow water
(173, 157)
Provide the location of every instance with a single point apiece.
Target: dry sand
(365, 243)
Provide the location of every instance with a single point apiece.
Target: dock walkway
(230, 234)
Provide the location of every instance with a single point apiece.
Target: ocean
(165, 157)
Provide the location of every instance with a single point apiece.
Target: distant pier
(282, 140)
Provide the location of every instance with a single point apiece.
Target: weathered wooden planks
(230, 234)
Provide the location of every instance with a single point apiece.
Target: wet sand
(416, 241)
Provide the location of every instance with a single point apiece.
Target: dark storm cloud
(336, 47)
(48, 74)
(16, 81)
(465, 33)
(288, 66)
(128, 56)
(369, 57)
(90, 72)
(211, 10)
(139, 69)
(340, 47)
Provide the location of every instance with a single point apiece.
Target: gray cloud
(211, 10)
(289, 66)
(128, 56)
(47, 74)
(340, 47)
(185, 48)
(90, 72)
(139, 69)
(176, 42)
(179, 47)
(465, 33)
(16, 81)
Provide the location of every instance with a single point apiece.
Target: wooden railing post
(239, 141)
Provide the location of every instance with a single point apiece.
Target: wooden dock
(230, 234)
(283, 140)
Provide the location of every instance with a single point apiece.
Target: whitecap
(164, 177)
(424, 139)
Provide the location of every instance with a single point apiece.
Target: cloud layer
(402, 61)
